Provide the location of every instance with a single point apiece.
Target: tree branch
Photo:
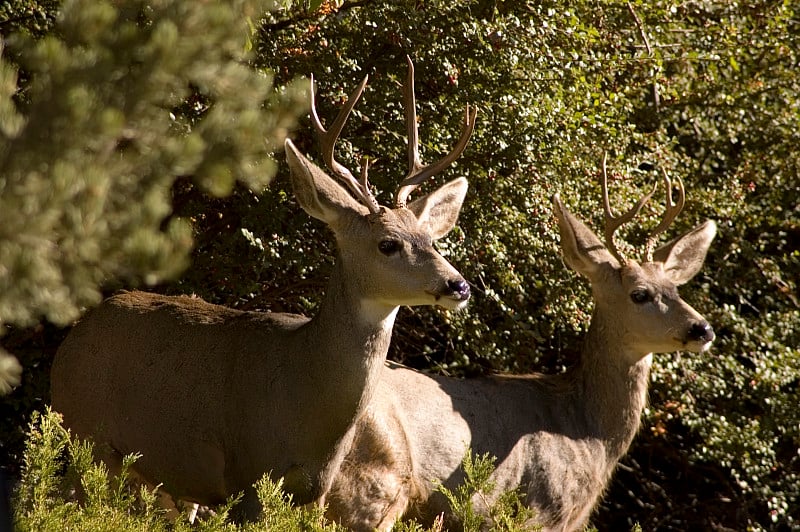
(656, 97)
(314, 15)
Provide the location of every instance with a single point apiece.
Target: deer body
(218, 441)
(213, 398)
(545, 444)
(557, 438)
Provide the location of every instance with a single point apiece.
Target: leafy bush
(706, 92)
(89, 148)
(505, 514)
(55, 462)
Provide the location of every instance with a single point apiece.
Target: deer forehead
(397, 223)
(649, 276)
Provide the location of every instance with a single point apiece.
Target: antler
(416, 172)
(328, 139)
(612, 223)
(672, 210)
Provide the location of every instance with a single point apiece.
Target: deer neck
(614, 389)
(351, 338)
(338, 357)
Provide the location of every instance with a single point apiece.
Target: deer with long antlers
(557, 438)
(212, 398)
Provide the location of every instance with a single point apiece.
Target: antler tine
(671, 212)
(416, 172)
(410, 108)
(613, 223)
(364, 183)
(327, 139)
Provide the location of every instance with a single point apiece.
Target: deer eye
(640, 296)
(390, 247)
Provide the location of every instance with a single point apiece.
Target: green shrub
(506, 513)
(116, 103)
(55, 464)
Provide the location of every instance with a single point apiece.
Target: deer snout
(459, 288)
(453, 294)
(701, 332)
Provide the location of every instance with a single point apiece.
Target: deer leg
(113, 461)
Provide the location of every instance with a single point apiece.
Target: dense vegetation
(54, 461)
(122, 131)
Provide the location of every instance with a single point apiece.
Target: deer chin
(453, 301)
(455, 304)
(704, 348)
(695, 346)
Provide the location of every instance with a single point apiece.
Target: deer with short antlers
(212, 398)
(557, 438)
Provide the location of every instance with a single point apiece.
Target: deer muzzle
(459, 288)
(701, 332)
(454, 295)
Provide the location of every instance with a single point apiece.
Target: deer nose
(459, 287)
(702, 332)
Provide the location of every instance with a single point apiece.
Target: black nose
(459, 286)
(702, 332)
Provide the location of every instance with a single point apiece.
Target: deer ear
(583, 251)
(438, 211)
(684, 256)
(318, 194)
